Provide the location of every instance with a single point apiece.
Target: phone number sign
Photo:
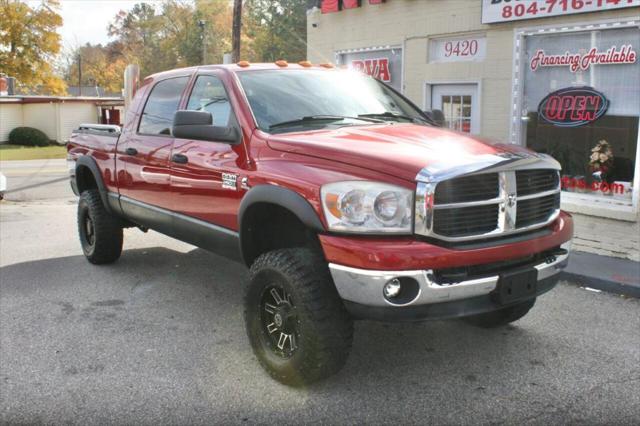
(514, 10)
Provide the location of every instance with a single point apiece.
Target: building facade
(57, 117)
(558, 76)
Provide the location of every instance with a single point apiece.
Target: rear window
(157, 116)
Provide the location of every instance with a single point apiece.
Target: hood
(402, 150)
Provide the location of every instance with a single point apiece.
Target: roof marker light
(327, 65)
(243, 64)
(305, 64)
(282, 63)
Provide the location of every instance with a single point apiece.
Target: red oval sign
(573, 106)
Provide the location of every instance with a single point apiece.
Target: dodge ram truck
(339, 194)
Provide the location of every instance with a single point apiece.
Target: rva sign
(573, 106)
(377, 68)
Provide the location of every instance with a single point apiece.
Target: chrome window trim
(506, 166)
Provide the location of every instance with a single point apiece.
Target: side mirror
(198, 125)
(436, 116)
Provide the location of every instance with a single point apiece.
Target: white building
(56, 116)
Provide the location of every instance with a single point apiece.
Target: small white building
(56, 116)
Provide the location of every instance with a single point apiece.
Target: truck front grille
(532, 181)
(536, 210)
(468, 188)
(466, 220)
(490, 204)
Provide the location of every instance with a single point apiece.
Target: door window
(458, 103)
(163, 102)
(457, 112)
(209, 95)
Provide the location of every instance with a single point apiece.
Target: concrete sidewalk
(611, 274)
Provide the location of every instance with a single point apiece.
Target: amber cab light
(305, 64)
(282, 63)
(327, 65)
(243, 64)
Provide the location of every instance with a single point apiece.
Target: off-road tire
(323, 328)
(501, 317)
(101, 240)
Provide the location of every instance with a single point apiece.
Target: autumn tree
(29, 43)
(102, 66)
(277, 28)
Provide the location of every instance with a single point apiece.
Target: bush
(28, 136)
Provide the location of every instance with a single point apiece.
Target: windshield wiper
(392, 115)
(312, 118)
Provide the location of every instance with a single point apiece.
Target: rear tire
(100, 232)
(501, 317)
(297, 325)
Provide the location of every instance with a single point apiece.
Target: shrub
(28, 136)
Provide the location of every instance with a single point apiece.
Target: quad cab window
(163, 102)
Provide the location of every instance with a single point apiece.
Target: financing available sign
(573, 106)
(583, 61)
(514, 10)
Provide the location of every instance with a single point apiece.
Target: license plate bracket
(516, 285)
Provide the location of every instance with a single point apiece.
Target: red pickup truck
(342, 197)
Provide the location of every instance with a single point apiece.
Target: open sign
(573, 106)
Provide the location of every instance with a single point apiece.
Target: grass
(18, 152)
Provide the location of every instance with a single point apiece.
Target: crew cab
(339, 194)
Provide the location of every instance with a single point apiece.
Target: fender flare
(282, 197)
(90, 163)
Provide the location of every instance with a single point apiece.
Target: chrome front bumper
(365, 287)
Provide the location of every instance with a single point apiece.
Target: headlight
(367, 207)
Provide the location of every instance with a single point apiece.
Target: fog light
(392, 288)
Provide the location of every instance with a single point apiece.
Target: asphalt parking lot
(158, 338)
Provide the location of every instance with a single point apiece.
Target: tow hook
(552, 257)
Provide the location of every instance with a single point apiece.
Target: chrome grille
(466, 220)
(536, 210)
(485, 205)
(468, 188)
(532, 181)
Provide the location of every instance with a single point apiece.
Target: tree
(102, 66)
(278, 29)
(29, 43)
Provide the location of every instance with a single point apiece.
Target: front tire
(100, 232)
(297, 325)
(502, 316)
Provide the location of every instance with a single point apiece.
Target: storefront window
(581, 104)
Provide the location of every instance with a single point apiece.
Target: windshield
(286, 101)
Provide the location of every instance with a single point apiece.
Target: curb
(610, 274)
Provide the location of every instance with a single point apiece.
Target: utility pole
(202, 24)
(236, 30)
(79, 74)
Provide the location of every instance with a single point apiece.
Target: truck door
(146, 151)
(206, 175)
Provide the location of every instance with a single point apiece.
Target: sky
(86, 21)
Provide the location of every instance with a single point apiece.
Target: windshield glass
(298, 96)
